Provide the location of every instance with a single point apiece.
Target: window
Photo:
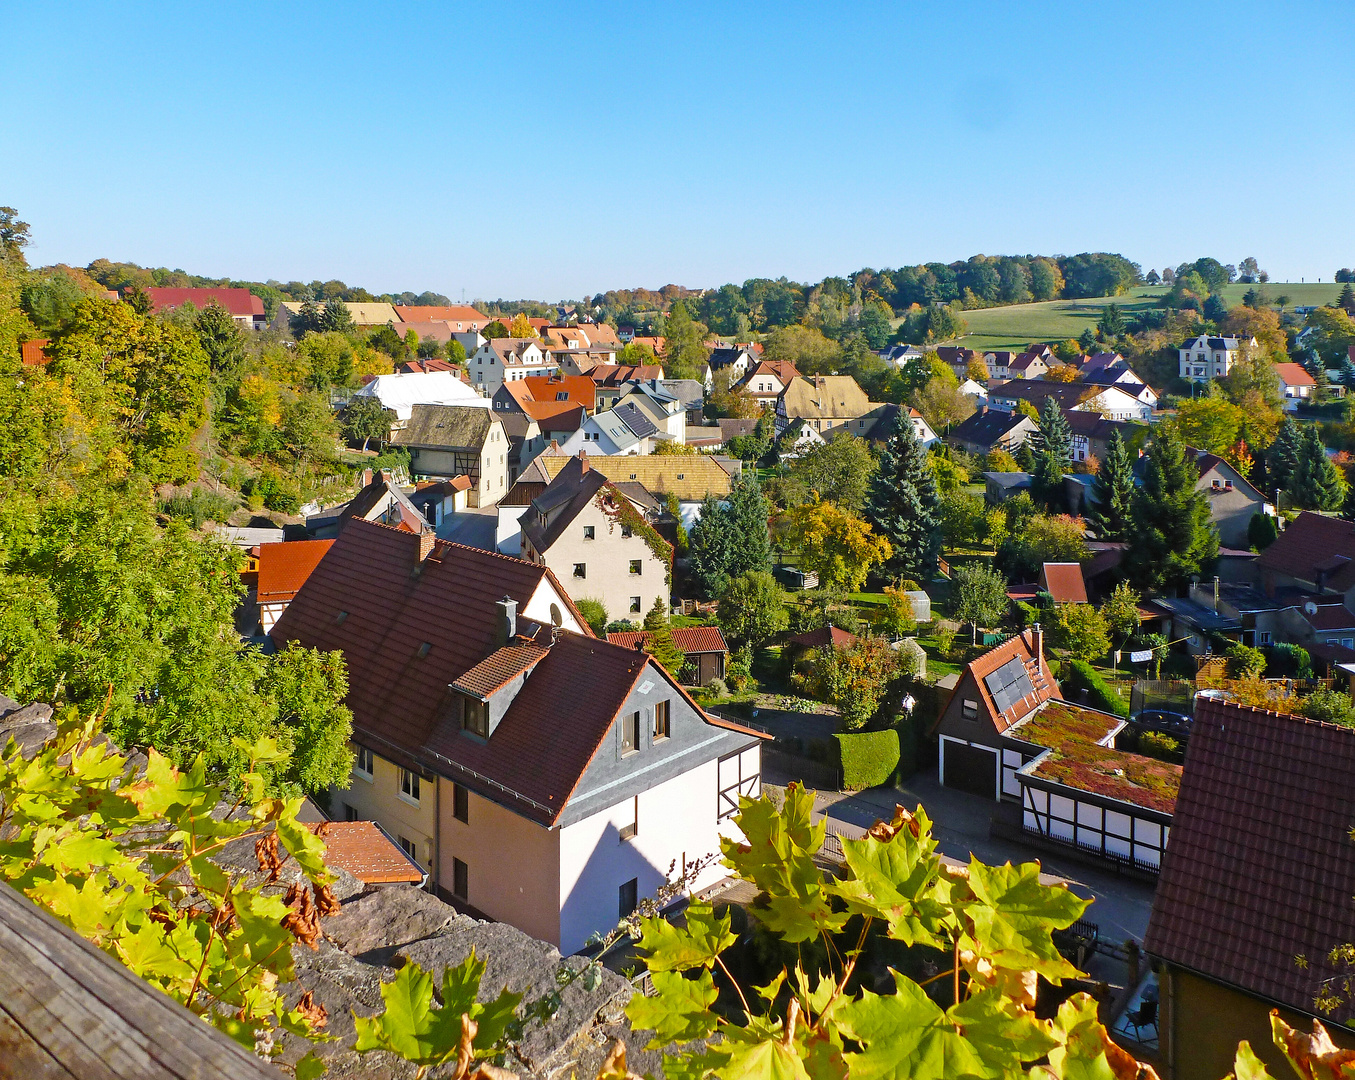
(409, 847)
(970, 709)
(475, 717)
(1264, 636)
(589, 532)
(631, 827)
(460, 803)
(460, 879)
(625, 530)
(635, 566)
(363, 765)
(350, 813)
(634, 604)
(628, 898)
(581, 569)
(630, 733)
(662, 726)
(409, 785)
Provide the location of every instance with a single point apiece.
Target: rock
(30, 726)
(7, 705)
(386, 917)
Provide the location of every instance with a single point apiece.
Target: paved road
(1120, 905)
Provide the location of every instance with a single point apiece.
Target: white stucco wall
(606, 559)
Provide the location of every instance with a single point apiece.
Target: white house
(542, 777)
(624, 429)
(738, 359)
(1202, 358)
(501, 360)
(976, 390)
(1296, 384)
(665, 410)
(400, 393)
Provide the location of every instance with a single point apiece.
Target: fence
(1171, 695)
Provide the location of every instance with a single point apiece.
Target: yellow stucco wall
(379, 800)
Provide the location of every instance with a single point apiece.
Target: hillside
(1016, 326)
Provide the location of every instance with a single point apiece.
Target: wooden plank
(21, 1056)
(63, 998)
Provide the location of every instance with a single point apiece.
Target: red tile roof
(548, 388)
(824, 635)
(1294, 375)
(239, 302)
(392, 604)
(456, 313)
(616, 374)
(361, 848)
(1260, 868)
(1063, 581)
(499, 668)
(1313, 545)
(690, 639)
(284, 568)
(33, 353)
(1022, 646)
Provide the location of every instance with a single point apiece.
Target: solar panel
(1008, 684)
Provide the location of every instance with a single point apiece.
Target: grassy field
(1016, 326)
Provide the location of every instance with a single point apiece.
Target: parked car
(1163, 721)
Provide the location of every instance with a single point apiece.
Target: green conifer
(903, 504)
(1172, 538)
(1113, 492)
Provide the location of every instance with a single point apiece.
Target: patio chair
(1142, 1017)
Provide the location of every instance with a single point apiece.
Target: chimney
(366, 477)
(426, 540)
(583, 462)
(1037, 644)
(506, 627)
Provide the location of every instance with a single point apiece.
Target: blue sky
(553, 150)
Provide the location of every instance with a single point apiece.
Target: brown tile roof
(361, 848)
(690, 477)
(238, 302)
(1313, 545)
(690, 639)
(498, 669)
(447, 427)
(834, 397)
(1022, 646)
(1260, 868)
(456, 313)
(34, 353)
(824, 635)
(284, 568)
(1063, 581)
(556, 415)
(400, 699)
(616, 374)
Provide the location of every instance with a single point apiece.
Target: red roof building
(243, 305)
(704, 647)
(367, 852)
(34, 353)
(1063, 582)
(283, 569)
(460, 317)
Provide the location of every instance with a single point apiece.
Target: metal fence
(1173, 695)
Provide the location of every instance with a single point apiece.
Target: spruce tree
(747, 511)
(1113, 492)
(1283, 456)
(903, 504)
(1347, 298)
(1315, 483)
(660, 644)
(1053, 455)
(1172, 538)
(710, 547)
(1348, 374)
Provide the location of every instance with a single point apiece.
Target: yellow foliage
(838, 546)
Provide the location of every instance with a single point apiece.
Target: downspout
(435, 870)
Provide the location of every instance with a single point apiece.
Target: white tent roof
(400, 393)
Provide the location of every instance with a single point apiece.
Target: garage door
(971, 769)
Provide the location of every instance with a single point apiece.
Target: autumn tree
(837, 546)
(521, 327)
(1081, 631)
(660, 644)
(838, 471)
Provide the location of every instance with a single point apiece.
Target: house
(1122, 378)
(577, 389)
(582, 335)
(998, 487)
(877, 425)
(1032, 363)
(691, 393)
(1204, 357)
(283, 569)
(1296, 384)
(1092, 433)
(666, 411)
(584, 361)
(901, 356)
(999, 363)
(798, 438)
(991, 429)
(525, 441)
(823, 402)
(957, 358)
(458, 440)
(542, 777)
(461, 318)
(1256, 887)
(767, 380)
(704, 647)
(362, 314)
(593, 535)
(435, 331)
(611, 381)
(420, 367)
(506, 359)
(381, 500)
(1063, 582)
(738, 360)
(1233, 501)
(1006, 735)
(400, 393)
(244, 307)
(976, 390)
(365, 851)
(437, 500)
(1111, 402)
(624, 429)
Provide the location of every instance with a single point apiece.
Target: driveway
(474, 528)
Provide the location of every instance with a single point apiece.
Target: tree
(1315, 483)
(308, 320)
(1263, 530)
(730, 537)
(1034, 539)
(977, 370)
(1282, 459)
(904, 505)
(13, 236)
(710, 547)
(594, 614)
(685, 344)
(806, 348)
(1112, 492)
(1081, 631)
(221, 338)
(1329, 706)
(1346, 301)
(752, 607)
(963, 519)
(495, 329)
(1052, 447)
(840, 548)
(1087, 340)
(1111, 323)
(1245, 662)
(941, 403)
(336, 318)
(1000, 460)
(660, 643)
(978, 596)
(521, 327)
(1121, 612)
(309, 430)
(365, 419)
(857, 677)
(1173, 538)
(838, 471)
(898, 618)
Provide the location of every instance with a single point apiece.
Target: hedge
(1080, 675)
(869, 758)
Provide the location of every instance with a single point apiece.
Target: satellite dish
(1310, 608)
(556, 619)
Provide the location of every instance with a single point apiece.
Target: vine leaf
(670, 948)
(679, 1011)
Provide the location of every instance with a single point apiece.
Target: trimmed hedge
(869, 758)
(1080, 675)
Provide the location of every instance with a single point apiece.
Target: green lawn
(1016, 326)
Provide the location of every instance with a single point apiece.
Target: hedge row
(869, 758)
(1080, 675)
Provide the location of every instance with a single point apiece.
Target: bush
(869, 758)
(1288, 662)
(1080, 675)
(1155, 744)
(198, 506)
(1262, 531)
(276, 491)
(594, 614)
(1331, 706)
(1244, 662)
(717, 688)
(945, 642)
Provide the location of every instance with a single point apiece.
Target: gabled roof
(1261, 868)
(634, 418)
(1294, 375)
(1093, 425)
(363, 506)
(1019, 653)
(366, 852)
(988, 427)
(723, 356)
(836, 397)
(576, 388)
(955, 354)
(780, 370)
(500, 668)
(33, 353)
(454, 313)
(569, 493)
(689, 476)
(554, 415)
(1311, 546)
(239, 302)
(1063, 581)
(513, 352)
(824, 635)
(284, 568)
(1037, 391)
(446, 427)
(617, 374)
(690, 639)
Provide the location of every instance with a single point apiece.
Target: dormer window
(475, 717)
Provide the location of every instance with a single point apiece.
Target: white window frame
(409, 787)
(358, 770)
